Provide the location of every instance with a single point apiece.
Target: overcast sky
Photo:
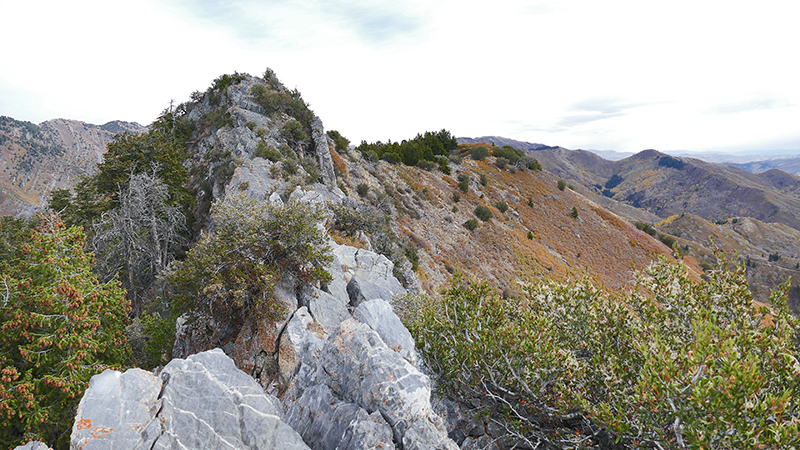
(613, 75)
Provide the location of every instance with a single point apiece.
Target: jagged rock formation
(37, 159)
(200, 402)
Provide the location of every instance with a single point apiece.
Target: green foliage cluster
(646, 227)
(501, 206)
(163, 147)
(774, 257)
(666, 239)
(574, 212)
(463, 182)
(471, 224)
(501, 162)
(672, 364)
(253, 246)
(267, 152)
(341, 143)
(424, 147)
(483, 213)
(516, 158)
(478, 153)
(561, 185)
(362, 189)
(58, 327)
(285, 101)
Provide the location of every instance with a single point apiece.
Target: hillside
(36, 159)
(790, 165)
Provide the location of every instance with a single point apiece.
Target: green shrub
(479, 153)
(530, 202)
(340, 142)
(391, 158)
(574, 213)
(501, 163)
(484, 181)
(60, 326)
(530, 235)
(471, 224)
(424, 164)
(456, 197)
(444, 165)
(483, 213)
(672, 364)
(463, 182)
(509, 153)
(362, 189)
(646, 227)
(501, 206)
(669, 241)
(532, 164)
(561, 185)
(254, 245)
(267, 152)
(455, 159)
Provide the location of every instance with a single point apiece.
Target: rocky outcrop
(200, 402)
(323, 153)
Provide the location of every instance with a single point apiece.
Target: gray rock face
(380, 316)
(361, 290)
(323, 153)
(200, 402)
(367, 265)
(359, 369)
(328, 310)
(332, 424)
(33, 445)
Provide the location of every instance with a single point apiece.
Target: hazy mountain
(36, 159)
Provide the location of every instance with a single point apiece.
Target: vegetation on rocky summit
(59, 327)
(672, 364)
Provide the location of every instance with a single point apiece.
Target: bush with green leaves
(341, 143)
(501, 206)
(471, 224)
(561, 185)
(483, 213)
(501, 162)
(673, 364)
(253, 246)
(479, 153)
(59, 326)
(463, 182)
(362, 189)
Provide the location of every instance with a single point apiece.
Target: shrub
(484, 181)
(455, 159)
(444, 165)
(501, 163)
(456, 197)
(270, 153)
(362, 189)
(530, 235)
(530, 202)
(532, 164)
(646, 227)
(424, 164)
(59, 327)
(340, 142)
(574, 213)
(669, 241)
(561, 185)
(463, 182)
(471, 224)
(672, 364)
(501, 206)
(253, 246)
(479, 153)
(483, 213)
(391, 158)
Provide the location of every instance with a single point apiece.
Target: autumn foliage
(58, 327)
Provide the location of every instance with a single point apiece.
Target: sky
(699, 75)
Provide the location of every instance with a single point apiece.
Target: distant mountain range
(37, 159)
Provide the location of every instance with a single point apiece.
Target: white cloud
(623, 74)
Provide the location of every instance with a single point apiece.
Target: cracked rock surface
(199, 402)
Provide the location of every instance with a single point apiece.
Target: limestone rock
(326, 309)
(367, 265)
(360, 368)
(380, 316)
(323, 153)
(361, 290)
(331, 424)
(33, 445)
(203, 401)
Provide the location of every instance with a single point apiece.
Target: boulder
(361, 290)
(33, 445)
(331, 424)
(327, 310)
(380, 316)
(323, 153)
(203, 401)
